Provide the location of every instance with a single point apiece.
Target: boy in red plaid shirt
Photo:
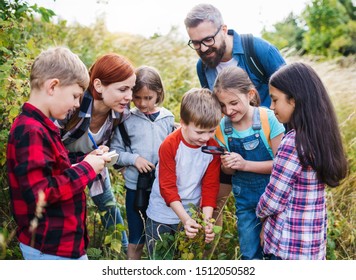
(46, 191)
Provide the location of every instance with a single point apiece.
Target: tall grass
(342, 200)
(339, 77)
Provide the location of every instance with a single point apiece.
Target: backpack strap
(259, 120)
(265, 124)
(219, 135)
(126, 140)
(201, 74)
(227, 131)
(251, 59)
(124, 135)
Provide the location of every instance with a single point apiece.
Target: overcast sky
(157, 16)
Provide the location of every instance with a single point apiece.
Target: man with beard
(219, 47)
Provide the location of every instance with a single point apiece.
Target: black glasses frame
(191, 43)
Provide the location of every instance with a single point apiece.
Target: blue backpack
(250, 57)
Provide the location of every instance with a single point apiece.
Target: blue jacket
(268, 55)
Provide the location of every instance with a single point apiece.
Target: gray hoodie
(146, 137)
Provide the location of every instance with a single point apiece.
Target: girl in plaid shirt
(310, 156)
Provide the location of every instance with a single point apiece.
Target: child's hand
(191, 228)
(209, 233)
(234, 161)
(101, 150)
(143, 165)
(97, 161)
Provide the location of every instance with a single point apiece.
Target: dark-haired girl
(309, 157)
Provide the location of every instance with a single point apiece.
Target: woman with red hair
(105, 104)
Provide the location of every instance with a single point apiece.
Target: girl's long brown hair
(318, 138)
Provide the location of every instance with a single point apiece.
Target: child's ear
(253, 97)
(252, 93)
(50, 85)
(182, 123)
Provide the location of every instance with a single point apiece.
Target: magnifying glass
(214, 150)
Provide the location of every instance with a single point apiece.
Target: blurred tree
(287, 33)
(325, 28)
(350, 8)
(331, 31)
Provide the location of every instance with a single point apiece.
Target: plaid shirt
(37, 160)
(294, 204)
(84, 118)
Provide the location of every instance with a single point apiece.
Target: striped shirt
(294, 206)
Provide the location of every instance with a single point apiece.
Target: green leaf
(108, 239)
(14, 111)
(217, 229)
(116, 245)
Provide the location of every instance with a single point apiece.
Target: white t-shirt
(84, 144)
(222, 65)
(185, 174)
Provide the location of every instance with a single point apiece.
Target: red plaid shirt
(37, 160)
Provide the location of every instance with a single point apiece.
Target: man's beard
(214, 61)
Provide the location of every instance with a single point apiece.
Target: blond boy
(39, 171)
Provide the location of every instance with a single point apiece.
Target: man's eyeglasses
(208, 41)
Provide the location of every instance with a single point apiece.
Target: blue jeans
(248, 225)
(30, 253)
(248, 187)
(134, 220)
(272, 257)
(106, 202)
(154, 233)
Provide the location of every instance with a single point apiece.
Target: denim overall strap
(256, 122)
(256, 119)
(251, 148)
(228, 127)
(248, 187)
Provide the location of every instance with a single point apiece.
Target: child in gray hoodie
(146, 128)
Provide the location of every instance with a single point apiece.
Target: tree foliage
(325, 28)
(287, 34)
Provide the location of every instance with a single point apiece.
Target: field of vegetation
(23, 36)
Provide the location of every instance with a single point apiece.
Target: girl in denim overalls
(251, 136)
